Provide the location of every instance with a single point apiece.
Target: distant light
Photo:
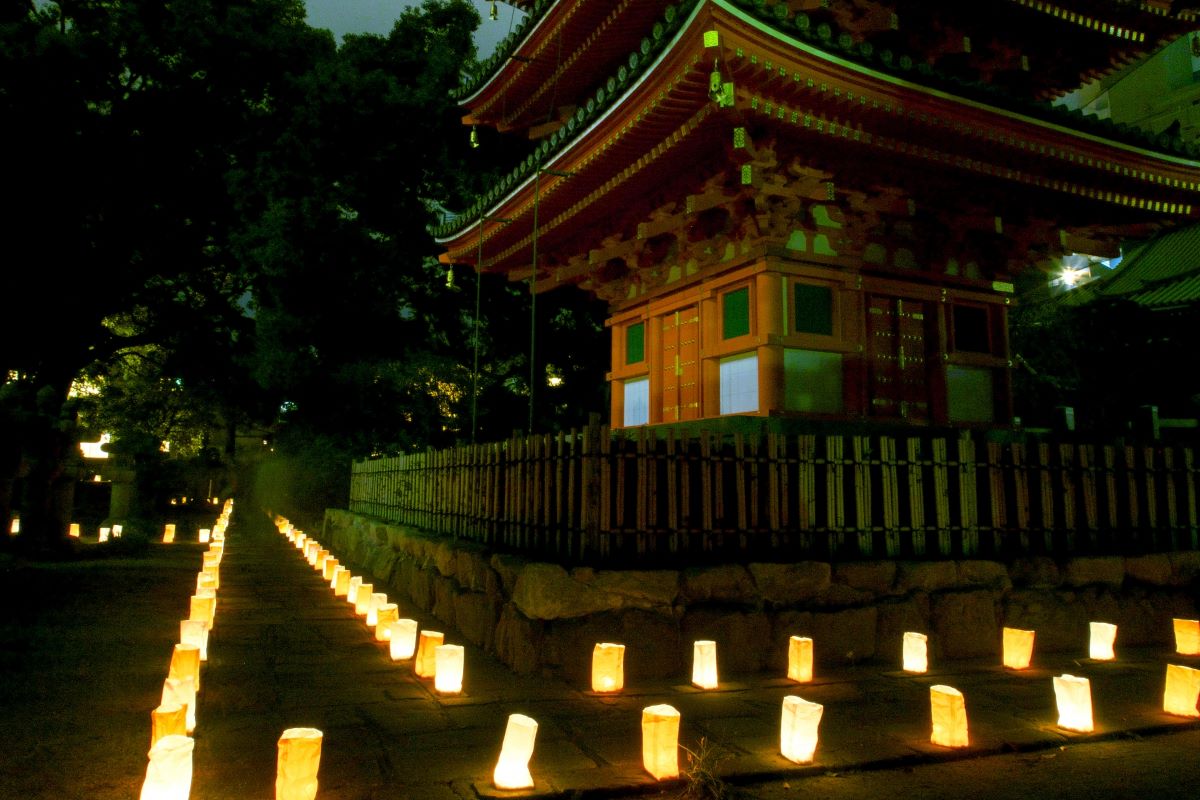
(95, 449)
(165, 447)
(554, 380)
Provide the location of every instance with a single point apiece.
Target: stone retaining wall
(536, 616)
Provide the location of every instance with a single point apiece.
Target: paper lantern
(403, 639)
(341, 586)
(352, 589)
(385, 615)
(185, 661)
(205, 535)
(168, 533)
(312, 550)
(169, 773)
(1187, 637)
(117, 530)
(660, 741)
(195, 631)
(949, 711)
(448, 675)
(1074, 698)
(206, 582)
(298, 763)
(1182, 691)
(211, 558)
(212, 576)
(15, 526)
(362, 603)
(798, 729)
(704, 664)
(319, 561)
(378, 600)
(328, 568)
(512, 769)
(73, 530)
(167, 720)
(335, 575)
(1018, 648)
(800, 659)
(104, 534)
(916, 652)
(181, 692)
(300, 541)
(426, 662)
(1101, 645)
(608, 667)
(204, 608)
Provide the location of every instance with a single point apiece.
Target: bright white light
(94, 449)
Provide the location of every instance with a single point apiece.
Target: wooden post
(835, 487)
(861, 448)
(916, 496)
(891, 496)
(968, 501)
(941, 496)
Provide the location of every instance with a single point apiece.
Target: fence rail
(644, 496)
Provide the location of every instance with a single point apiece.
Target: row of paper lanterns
(800, 718)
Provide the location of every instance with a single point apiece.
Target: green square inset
(735, 313)
(814, 309)
(635, 343)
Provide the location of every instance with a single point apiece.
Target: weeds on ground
(700, 776)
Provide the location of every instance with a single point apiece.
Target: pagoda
(815, 208)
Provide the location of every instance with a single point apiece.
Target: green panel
(970, 394)
(635, 343)
(814, 309)
(735, 313)
(812, 381)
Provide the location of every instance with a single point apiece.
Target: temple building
(815, 208)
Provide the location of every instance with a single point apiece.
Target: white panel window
(739, 384)
(637, 402)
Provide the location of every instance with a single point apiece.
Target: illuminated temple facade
(814, 208)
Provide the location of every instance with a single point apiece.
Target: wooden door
(680, 336)
(899, 376)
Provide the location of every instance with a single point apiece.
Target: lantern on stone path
(800, 659)
(311, 548)
(378, 600)
(425, 665)
(1074, 697)
(1187, 636)
(301, 541)
(362, 603)
(916, 652)
(73, 531)
(212, 558)
(213, 574)
(206, 582)
(608, 667)
(167, 720)
(195, 631)
(403, 639)
(341, 586)
(1018, 648)
(298, 763)
(385, 615)
(352, 589)
(512, 769)
(1182, 691)
(1100, 647)
(798, 729)
(330, 565)
(104, 534)
(319, 561)
(181, 692)
(169, 773)
(704, 664)
(185, 662)
(448, 675)
(117, 530)
(204, 608)
(660, 741)
(205, 535)
(949, 712)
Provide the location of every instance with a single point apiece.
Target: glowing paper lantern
(704, 664)
(185, 662)
(800, 660)
(168, 533)
(426, 662)
(1187, 637)
(341, 586)
(181, 692)
(204, 608)
(512, 769)
(299, 761)
(608, 667)
(206, 582)
(335, 575)
(448, 668)
(378, 599)
(352, 589)
(403, 639)
(660, 741)
(73, 531)
(212, 558)
(1100, 646)
(1074, 698)
(916, 652)
(311, 549)
(385, 615)
(362, 603)
(798, 729)
(116, 531)
(205, 535)
(213, 577)
(319, 561)
(1018, 648)
(169, 773)
(301, 541)
(949, 711)
(167, 720)
(15, 527)
(195, 631)
(329, 566)
(104, 534)
(1182, 691)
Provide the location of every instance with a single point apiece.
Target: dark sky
(377, 16)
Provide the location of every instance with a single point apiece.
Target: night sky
(377, 16)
